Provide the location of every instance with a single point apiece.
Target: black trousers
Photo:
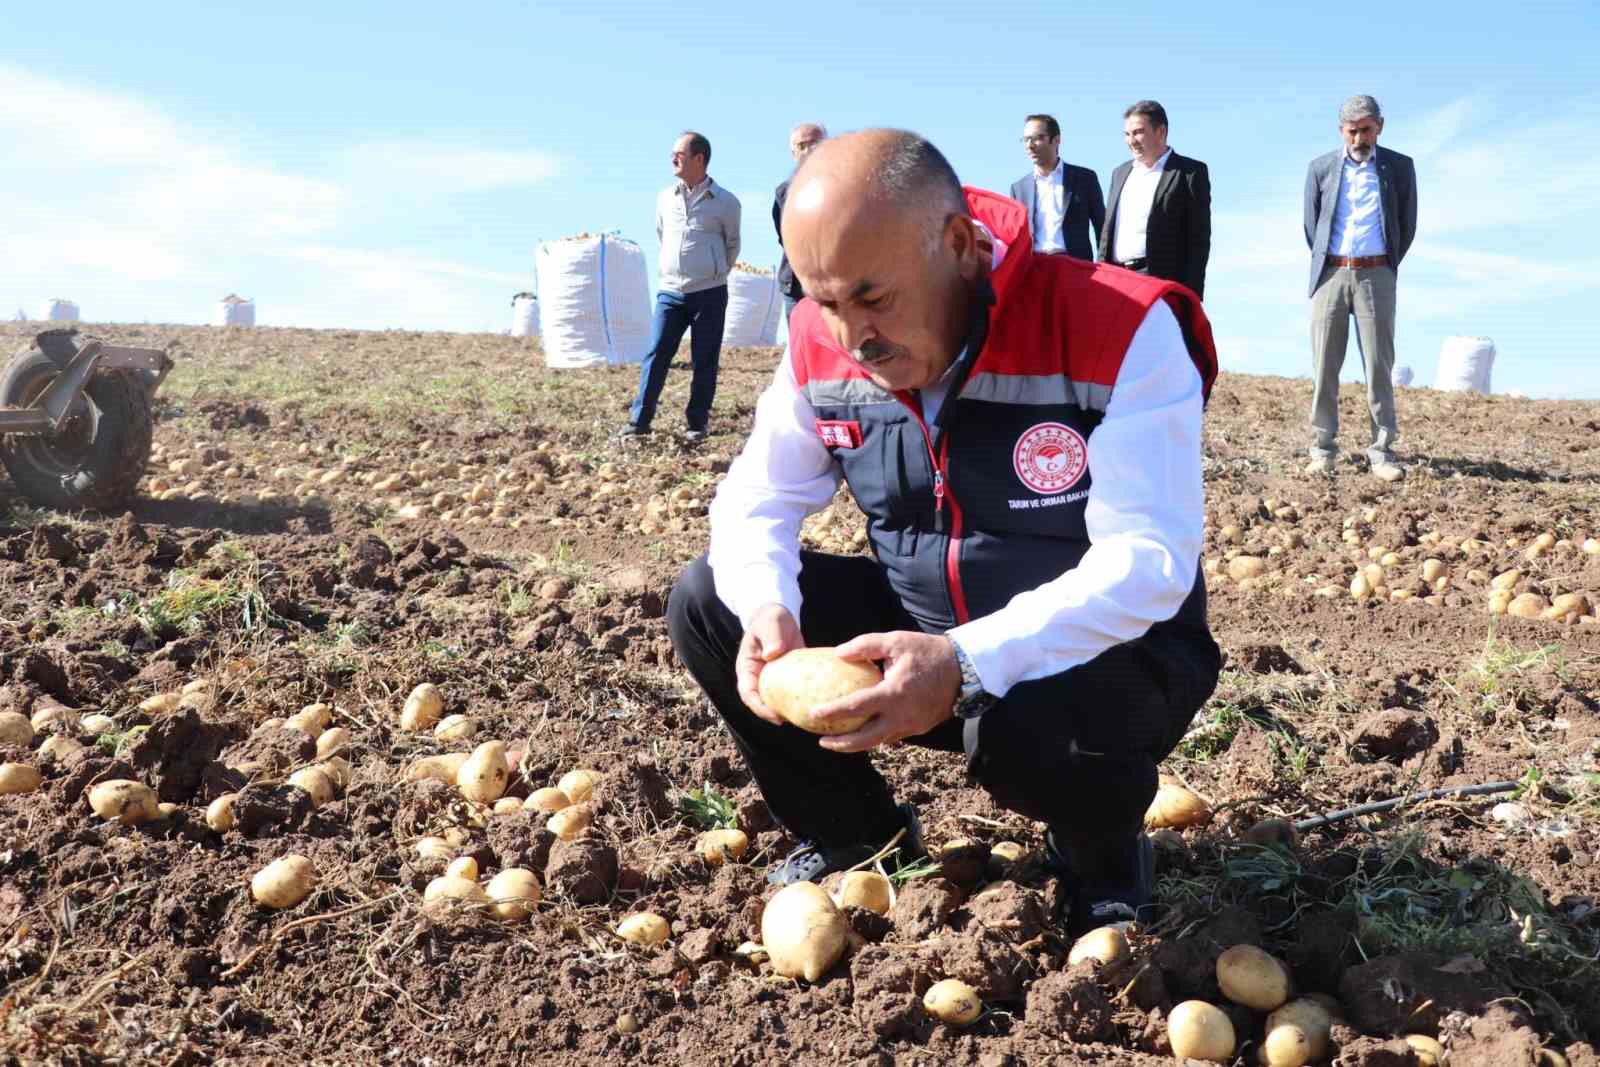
(1077, 750)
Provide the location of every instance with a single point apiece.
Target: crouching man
(1023, 435)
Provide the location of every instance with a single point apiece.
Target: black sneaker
(632, 430)
(812, 862)
(694, 436)
(1092, 905)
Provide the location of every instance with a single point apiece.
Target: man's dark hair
(698, 145)
(1051, 126)
(912, 170)
(1153, 112)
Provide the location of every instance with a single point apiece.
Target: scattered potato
(59, 746)
(443, 891)
(952, 1001)
(1242, 567)
(1253, 977)
(1200, 1031)
(19, 778)
(547, 799)
(507, 806)
(717, 847)
(1432, 570)
(219, 813)
(1175, 806)
(627, 1023)
(1107, 944)
(1527, 606)
(796, 684)
(513, 893)
(160, 704)
(284, 882)
(1002, 854)
(644, 928)
(15, 729)
(1286, 1045)
(1506, 580)
(455, 728)
(332, 741)
(124, 800)
(864, 889)
(316, 782)
(484, 775)
(434, 848)
(465, 867)
(1273, 832)
(1428, 1051)
(570, 822)
(803, 931)
(1312, 1018)
(97, 724)
(422, 708)
(1499, 601)
(442, 768)
(578, 784)
(56, 718)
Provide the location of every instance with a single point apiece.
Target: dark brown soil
(271, 557)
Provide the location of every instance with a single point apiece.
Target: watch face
(973, 706)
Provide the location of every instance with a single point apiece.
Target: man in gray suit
(1361, 214)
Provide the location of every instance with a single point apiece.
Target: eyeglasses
(1034, 140)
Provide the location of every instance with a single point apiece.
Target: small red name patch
(839, 433)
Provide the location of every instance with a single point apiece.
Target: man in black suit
(1159, 221)
(1063, 201)
(802, 139)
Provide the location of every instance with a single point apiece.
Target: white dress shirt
(1358, 213)
(1144, 517)
(1049, 211)
(1133, 208)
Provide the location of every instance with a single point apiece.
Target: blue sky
(367, 165)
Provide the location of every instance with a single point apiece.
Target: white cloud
(441, 167)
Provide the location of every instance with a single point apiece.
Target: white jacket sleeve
(1145, 517)
(784, 474)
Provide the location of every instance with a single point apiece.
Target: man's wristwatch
(972, 701)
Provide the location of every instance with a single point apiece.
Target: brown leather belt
(1359, 262)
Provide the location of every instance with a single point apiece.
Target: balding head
(876, 229)
(804, 137)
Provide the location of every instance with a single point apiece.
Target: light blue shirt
(1358, 213)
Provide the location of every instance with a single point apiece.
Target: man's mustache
(876, 352)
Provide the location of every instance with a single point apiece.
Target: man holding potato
(1023, 435)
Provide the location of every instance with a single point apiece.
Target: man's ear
(961, 237)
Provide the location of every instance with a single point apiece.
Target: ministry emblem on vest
(1050, 457)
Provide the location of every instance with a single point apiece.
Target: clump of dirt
(1497, 1037)
(264, 810)
(923, 906)
(1071, 1005)
(583, 871)
(1404, 994)
(1394, 735)
(889, 984)
(986, 961)
(1008, 910)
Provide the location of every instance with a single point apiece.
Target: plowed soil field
(335, 518)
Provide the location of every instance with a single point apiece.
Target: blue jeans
(702, 313)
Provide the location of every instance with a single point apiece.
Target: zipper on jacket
(952, 555)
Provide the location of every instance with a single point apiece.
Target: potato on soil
(1107, 944)
(548, 799)
(219, 813)
(422, 708)
(717, 847)
(796, 684)
(803, 931)
(1286, 1045)
(312, 719)
(1270, 832)
(578, 784)
(1253, 977)
(440, 768)
(446, 889)
(864, 889)
(507, 806)
(332, 741)
(484, 775)
(97, 724)
(1200, 1031)
(513, 893)
(18, 778)
(160, 704)
(317, 783)
(15, 729)
(464, 867)
(952, 1001)
(1175, 806)
(1313, 1018)
(1428, 1051)
(569, 823)
(455, 728)
(125, 801)
(434, 848)
(284, 882)
(644, 928)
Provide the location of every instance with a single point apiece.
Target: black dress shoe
(694, 436)
(812, 862)
(1095, 903)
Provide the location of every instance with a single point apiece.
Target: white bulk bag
(1403, 374)
(594, 301)
(61, 311)
(1465, 365)
(524, 315)
(754, 307)
(233, 310)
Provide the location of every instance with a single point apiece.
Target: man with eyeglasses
(1063, 201)
(802, 139)
(697, 223)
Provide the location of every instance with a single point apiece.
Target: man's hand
(921, 681)
(771, 633)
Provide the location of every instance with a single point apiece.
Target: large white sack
(1403, 374)
(1465, 365)
(234, 310)
(594, 301)
(61, 311)
(754, 307)
(524, 315)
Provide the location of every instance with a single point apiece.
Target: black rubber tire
(97, 462)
